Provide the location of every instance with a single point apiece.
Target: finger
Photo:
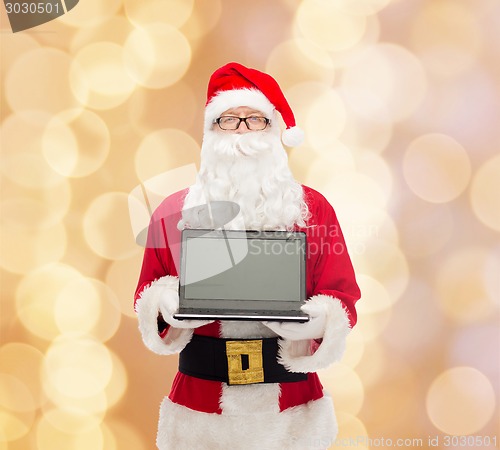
(196, 323)
(313, 309)
(289, 327)
(272, 325)
(275, 326)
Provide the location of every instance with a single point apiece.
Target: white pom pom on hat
(292, 137)
(235, 85)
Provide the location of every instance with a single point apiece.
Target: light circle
(78, 367)
(106, 226)
(460, 401)
(328, 27)
(98, 76)
(485, 193)
(157, 55)
(76, 145)
(436, 168)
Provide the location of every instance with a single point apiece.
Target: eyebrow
(251, 111)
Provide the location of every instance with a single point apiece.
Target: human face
(241, 112)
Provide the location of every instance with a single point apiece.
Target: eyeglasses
(253, 123)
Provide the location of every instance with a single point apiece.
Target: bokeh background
(400, 102)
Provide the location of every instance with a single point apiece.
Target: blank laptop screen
(259, 266)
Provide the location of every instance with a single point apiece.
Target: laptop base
(269, 316)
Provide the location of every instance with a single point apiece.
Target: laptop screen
(266, 266)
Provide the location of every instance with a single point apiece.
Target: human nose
(242, 127)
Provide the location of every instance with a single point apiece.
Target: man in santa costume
(243, 161)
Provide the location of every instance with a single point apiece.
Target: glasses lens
(229, 122)
(256, 123)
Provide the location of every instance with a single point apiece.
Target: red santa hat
(234, 85)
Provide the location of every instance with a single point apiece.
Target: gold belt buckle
(244, 362)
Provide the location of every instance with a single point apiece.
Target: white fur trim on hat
(224, 100)
(162, 291)
(296, 356)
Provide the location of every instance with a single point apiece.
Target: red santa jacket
(329, 273)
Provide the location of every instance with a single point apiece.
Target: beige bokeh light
(300, 61)
(355, 350)
(106, 226)
(425, 228)
(372, 365)
(376, 294)
(163, 150)
(484, 193)
(114, 30)
(64, 419)
(463, 293)
(361, 7)
(447, 37)
(385, 261)
(148, 111)
(364, 129)
(305, 95)
(17, 408)
(87, 307)
(48, 437)
(76, 145)
(45, 89)
(204, 18)
(350, 189)
(352, 433)
(144, 55)
(327, 162)
(460, 401)
(124, 436)
(78, 367)
(345, 386)
(77, 307)
(327, 26)
(14, 47)
(142, 13)
(437, 168)
(91, 13)
(326, 119)
(25, 249)
(37, 294)
(35, 208)
(23, 363)
(116, 389)
(121, 278)
(98, 78)
(376, 79)
(22, 157)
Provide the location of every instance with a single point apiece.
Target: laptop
(242, 275)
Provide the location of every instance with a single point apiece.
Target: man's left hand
(314, 328)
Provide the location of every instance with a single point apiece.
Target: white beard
(251, 170)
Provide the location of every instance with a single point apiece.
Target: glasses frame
(242, 119)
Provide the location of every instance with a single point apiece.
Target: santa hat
(234, 85)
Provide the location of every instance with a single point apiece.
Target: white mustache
(247, 144)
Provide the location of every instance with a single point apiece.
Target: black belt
(235, 361)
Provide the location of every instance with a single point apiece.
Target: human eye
(256, 119)
(227, 120)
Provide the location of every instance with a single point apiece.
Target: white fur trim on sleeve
(164, 291)
(297, 356)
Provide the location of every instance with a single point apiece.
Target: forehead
(243, 111)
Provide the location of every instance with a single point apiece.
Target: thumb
(313, 309)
